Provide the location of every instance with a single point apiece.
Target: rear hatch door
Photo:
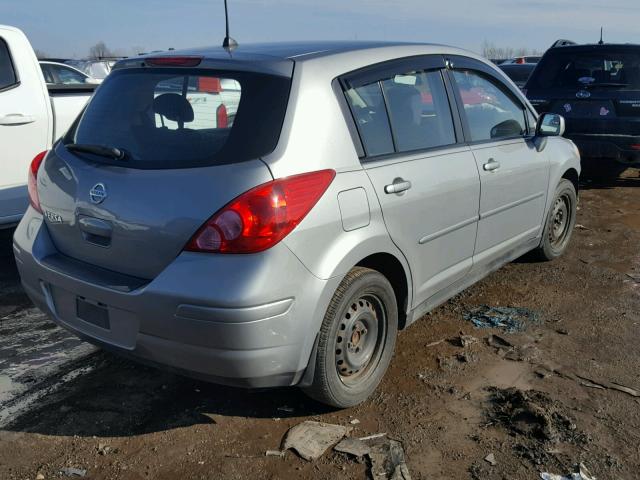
(179, 165)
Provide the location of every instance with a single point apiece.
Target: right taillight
(34, 200)
(261, 217)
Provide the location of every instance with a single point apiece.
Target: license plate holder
(94, 313)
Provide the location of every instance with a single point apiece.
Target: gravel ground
(544, 399)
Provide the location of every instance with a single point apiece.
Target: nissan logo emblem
(98, 193)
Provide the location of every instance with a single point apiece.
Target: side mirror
(550, 125)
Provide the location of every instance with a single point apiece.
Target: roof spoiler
(562, 43)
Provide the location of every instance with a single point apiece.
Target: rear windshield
(173, 118)
(600, 67)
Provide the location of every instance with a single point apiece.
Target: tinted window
(419, 110)
(518, 73)
(367, 105)
(603, 66)
(490, 112)
(7, 73)
(173, 118)
(46, 71)
(67, 76)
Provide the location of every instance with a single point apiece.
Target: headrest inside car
(173, 107)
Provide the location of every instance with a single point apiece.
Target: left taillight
(32, 183)
(261, 217)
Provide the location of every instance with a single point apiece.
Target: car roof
(595, 46)
(290, 50)
(279, 57)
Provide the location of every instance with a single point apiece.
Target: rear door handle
(16, 119)
(399, 185)
(491, 165)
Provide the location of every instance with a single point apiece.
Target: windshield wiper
(103, 151)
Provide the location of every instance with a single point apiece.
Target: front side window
(491, 114)
(419, 110)
(7, 73)
(370, 113)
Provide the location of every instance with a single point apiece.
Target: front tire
(356, 340)
(560, 222)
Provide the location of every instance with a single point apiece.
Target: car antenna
(601, 42)
(229, 44)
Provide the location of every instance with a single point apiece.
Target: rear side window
(600, 66)
(419, 110)
(403, 113)
(173, 118)
(8, 76)
(491, 114)
(370, 113)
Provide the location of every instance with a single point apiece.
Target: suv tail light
(34, 200)
(261, 217)
(222, 118)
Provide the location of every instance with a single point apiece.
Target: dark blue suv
(597, 89)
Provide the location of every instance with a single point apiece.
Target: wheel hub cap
(357, 339)
(560, 220)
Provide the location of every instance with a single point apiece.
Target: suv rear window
(600, 66)
(178, 118)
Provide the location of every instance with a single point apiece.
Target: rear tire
(560, 222)
(356, 340)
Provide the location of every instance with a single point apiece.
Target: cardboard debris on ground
(73, 472)
(582, 474)
(387, 460)
(517, 353)
(311, 439)
(597, 384)
(491, 459)
(465, 341)
(353, 446)
(274, 453)
(587, 382)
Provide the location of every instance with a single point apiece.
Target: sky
(67, 28)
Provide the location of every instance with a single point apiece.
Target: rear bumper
(616, 147)
(247, 320)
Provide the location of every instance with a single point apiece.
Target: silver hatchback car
(274, 215)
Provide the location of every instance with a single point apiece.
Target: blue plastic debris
(511, 319)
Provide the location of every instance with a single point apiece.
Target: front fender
(563, 156)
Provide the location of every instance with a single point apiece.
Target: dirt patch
(531, 414)
(522, 402)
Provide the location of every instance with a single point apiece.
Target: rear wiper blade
(101, 150)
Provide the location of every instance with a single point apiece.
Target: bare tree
(99, 50)
(491, 51)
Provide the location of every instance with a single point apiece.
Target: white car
(56, 73)
(32, 116)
